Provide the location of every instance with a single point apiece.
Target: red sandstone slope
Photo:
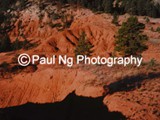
(99, 29)
(46, 86)
(54, 83)
(99, 32)
(132, 91)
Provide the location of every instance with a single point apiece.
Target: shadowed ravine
(72, 108)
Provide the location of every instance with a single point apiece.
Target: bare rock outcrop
(46, 86)
(100, 34)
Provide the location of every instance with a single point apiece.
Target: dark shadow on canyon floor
(72, 108)
(129, 83)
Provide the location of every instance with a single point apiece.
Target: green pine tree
(108, 6)
(115, 19)
(16, 44)
(130, 40)
(83, 47)
(5, 44)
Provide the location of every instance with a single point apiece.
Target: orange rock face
(99, 31)
(50, 83)
(102, 38)
(46, 86)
